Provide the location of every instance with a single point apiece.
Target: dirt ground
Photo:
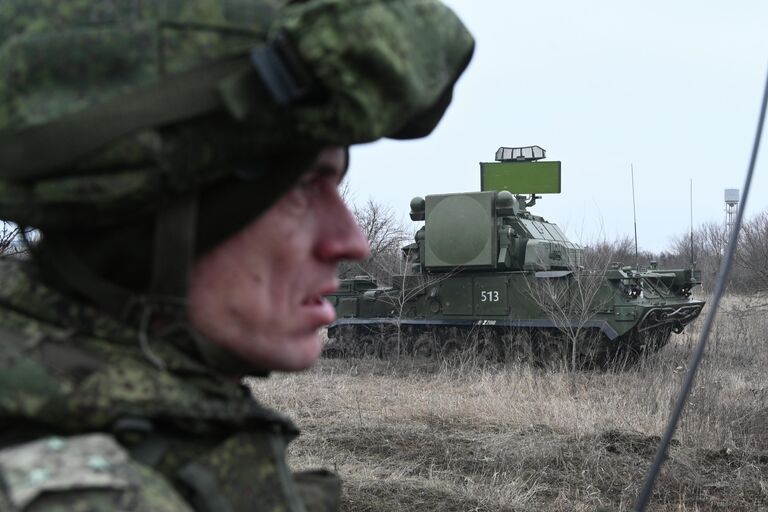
(461, 435)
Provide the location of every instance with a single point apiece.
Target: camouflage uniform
(186, 119)
(67, 372)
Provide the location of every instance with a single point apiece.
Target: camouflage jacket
(88, 422)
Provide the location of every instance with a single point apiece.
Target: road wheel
(449, 349)
(424, 346)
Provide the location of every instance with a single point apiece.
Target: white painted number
(489, 296)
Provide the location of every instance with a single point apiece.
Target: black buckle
(282, 72)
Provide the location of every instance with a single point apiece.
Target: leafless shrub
(10, 240)
(570, 302)
(707, 246)
(752, 251)
(385, 235)
(603, 252)
(704, 248)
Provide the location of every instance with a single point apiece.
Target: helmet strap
(173, 257)
(174, 247)
(71, 271)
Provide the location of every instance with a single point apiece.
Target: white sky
(672, 88)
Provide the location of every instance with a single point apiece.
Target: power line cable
(698, 353)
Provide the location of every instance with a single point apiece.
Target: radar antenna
(524, 153)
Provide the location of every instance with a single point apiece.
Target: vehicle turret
(493, 230)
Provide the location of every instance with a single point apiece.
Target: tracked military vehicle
(489, 275)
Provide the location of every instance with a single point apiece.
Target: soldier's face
(259, 294)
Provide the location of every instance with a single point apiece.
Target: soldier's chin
(299, 353)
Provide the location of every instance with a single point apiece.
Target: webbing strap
(174, 246)
(38, 151)
(207, 494)
(77, 276)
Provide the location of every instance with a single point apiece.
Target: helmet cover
(108, 110)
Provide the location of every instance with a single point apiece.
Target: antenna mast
(693, 261)
(634, 215)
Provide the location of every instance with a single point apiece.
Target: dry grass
(420, 436)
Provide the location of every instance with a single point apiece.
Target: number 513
(489, 296)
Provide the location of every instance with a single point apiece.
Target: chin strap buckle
(282, 72)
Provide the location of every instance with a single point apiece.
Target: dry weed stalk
(410, 435)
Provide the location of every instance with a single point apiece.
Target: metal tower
(731, 208)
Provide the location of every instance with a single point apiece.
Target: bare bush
(571, 302)
(752, 252)
(602, 253)
(10, 240)
(709, 242)
(750, 270)
(385, 235)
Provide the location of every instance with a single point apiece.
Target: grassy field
(459, 435)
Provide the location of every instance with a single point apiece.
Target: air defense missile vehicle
(485, 273)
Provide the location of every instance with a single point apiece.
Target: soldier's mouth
(318, 311)
(317, 300)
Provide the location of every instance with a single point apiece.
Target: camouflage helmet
(130, 131)
(110, 110)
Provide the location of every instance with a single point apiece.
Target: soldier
(179, 160)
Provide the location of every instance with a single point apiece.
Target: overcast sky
(671, 88)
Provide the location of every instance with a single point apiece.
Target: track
(495, 343)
